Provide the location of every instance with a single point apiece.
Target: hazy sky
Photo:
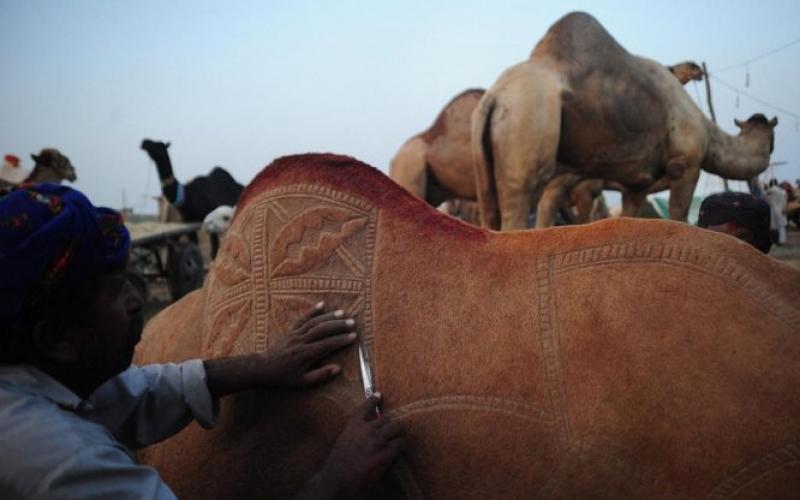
(242, 84)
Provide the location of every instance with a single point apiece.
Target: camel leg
(681, 192)
(553, 197)
(525, 136)
(632, 202)
(582, 196)
(408, 167)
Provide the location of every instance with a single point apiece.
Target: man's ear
(54, 343)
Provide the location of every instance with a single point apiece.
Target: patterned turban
(53, 242)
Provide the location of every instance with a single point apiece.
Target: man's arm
(145, 405)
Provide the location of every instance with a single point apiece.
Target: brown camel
(686, 72)
(583, 104)
(676, 378)
(436, 165)
(51, 166)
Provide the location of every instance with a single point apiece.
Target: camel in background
(676, 377)
(49, 166)
(583, 104)
(436, 165)
(686, 72)
(197, 198)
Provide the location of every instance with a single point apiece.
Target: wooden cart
(166, 250)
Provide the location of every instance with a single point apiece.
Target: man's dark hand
(367, 446)
(293, 363)
(315, 336)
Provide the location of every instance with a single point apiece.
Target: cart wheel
(184, 269)
(139, 282)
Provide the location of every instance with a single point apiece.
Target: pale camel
(583, 104)
(436, 165)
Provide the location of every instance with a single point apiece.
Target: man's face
(113, 325)
(735, 230)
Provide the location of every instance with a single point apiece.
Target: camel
(676, 378)
(49, 166)
(582, 104)
(686, 72)
(218, 220)
(436, 165)
(197, 198)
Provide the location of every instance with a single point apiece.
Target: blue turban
(53, 242)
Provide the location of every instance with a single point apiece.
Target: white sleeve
(144, 405)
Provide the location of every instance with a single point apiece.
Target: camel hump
(352, 179)
(462, 104)
(219, 173)
(577, 40)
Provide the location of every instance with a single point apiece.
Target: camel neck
(734, 157)
(169, 185)
(43, 174)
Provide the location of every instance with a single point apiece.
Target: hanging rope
(758, 57)
(754, 98)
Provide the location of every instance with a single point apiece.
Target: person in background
(776, 197)
(71, 404)
(740, 215)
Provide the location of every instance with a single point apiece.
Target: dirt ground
(790, 252)
(158, 293)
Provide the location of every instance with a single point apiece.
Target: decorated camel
(197, 198)
(583, 104)
(676, 378)
(436, 165)
(49, 166)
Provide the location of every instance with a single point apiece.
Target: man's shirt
(53, 444)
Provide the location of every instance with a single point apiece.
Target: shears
(366, 374)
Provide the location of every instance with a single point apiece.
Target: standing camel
(436, 165)
(583, 104)
(197, 198)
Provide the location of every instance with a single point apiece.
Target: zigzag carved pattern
(310, 256)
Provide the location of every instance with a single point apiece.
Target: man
(71, 404)
(776, 197)
(740, 215)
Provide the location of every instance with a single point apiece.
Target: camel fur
(583, 104)
(677, 377)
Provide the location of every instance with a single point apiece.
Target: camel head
(155, 149)
(218, 221)
(52, 159)
(687, 71)
(759, 128)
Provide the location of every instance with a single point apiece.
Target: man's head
(65, 300)
(739, 214)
